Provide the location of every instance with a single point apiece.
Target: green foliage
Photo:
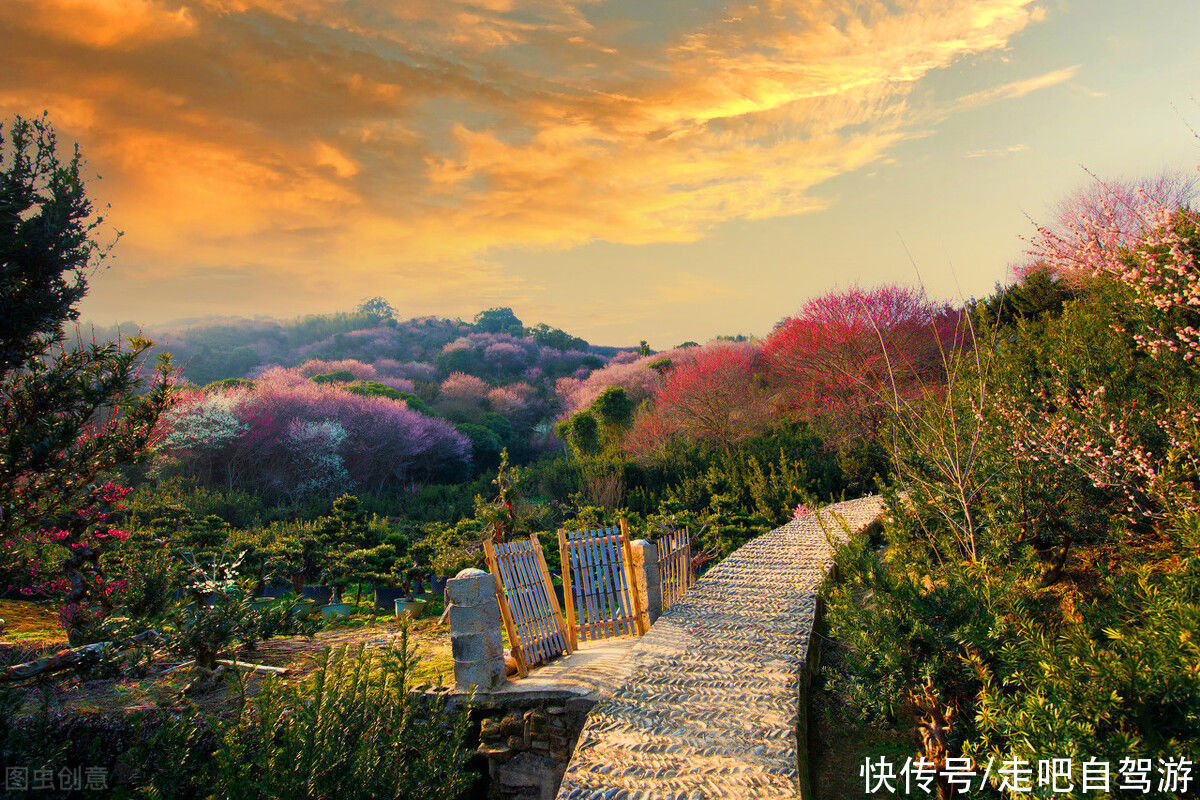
(454, 547)
(378, 308)
(46, 244)
(1038, 296)
(498, 424)
(416, 403)
(72, 415)
(499, 320)
(338, 376)
(237, 507)
(1031, 595)
(582, 433)
(342, 532)
(546, 336)
(1126, 669)
(151, 575)
(350, 730)
(222, 611)
(614, 407)
(485, 445)
(374, 389)
(372, 565)
(208, 365)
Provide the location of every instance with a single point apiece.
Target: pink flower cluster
(1105, 440)
(286, 429)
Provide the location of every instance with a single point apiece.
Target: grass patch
(30, 624)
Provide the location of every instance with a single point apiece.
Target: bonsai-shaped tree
(404, 570)
(371, 565)
(340, 534)
(454, 547)
(289, 558)
(221, 612)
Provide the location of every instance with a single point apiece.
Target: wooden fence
(528, 604)
(674, 565)
(597, 570)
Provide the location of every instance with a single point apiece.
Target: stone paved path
(712, 700)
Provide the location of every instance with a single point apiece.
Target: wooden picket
(598, 583)
(532, 617)
(674, 565)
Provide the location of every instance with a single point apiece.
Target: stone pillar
(475, 631)
(649, 582)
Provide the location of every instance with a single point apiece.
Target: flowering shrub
(1035, 587)
(461, 386)
(66, 562)
(1145, 447)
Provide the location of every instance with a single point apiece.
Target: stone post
(649, 582)
(475, 631)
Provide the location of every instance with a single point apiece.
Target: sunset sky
(662, 169)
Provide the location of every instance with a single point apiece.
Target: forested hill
(496, 347)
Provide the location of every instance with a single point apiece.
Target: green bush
(338, 376)
(350, 730)
(1034, 592)
(372, 389)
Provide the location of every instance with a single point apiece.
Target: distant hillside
(496, 348)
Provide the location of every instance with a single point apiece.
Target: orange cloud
(401, 143)
(1018, 88)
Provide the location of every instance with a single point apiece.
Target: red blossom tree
(843, 359)
(715, 396)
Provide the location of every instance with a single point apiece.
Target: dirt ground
(31, 631)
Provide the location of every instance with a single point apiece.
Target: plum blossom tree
(1115, 214)
(633, 373)
(715, 397)
(204, 428)
(848, 355)
(1147, 448)
(290, 432)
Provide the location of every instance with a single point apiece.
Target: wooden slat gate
(674, 565)
(528, 603)
(597, 569)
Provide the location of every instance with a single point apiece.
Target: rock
(498, 753)
(490, 729)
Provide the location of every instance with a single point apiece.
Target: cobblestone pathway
(712, 701)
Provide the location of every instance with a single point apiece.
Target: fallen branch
(61, 660)
(66, 659)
